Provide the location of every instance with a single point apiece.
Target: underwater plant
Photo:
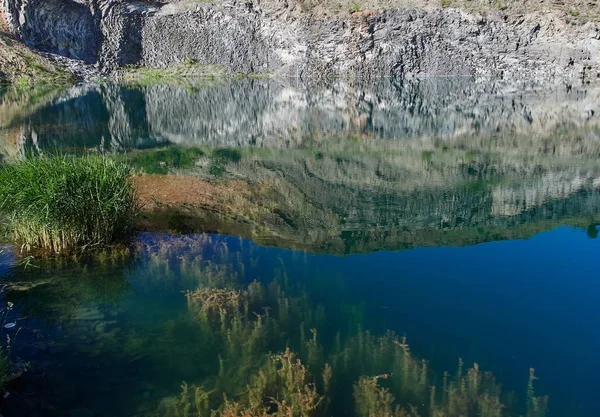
(272, 352)
(283, 387)
(317, 381)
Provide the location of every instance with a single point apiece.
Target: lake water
(461, 215)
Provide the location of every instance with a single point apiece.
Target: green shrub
(162, 160)
(227, 155)
(66, 202)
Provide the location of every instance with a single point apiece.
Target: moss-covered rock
(24, 68)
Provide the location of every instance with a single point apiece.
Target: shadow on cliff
(62, 27)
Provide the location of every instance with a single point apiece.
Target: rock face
(273, 36)
(66, 28)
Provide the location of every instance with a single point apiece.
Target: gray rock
(273, 37)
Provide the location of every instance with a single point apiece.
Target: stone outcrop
(277, 37)
(23, 66)
(66, 28)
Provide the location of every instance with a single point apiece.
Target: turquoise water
(463, 216)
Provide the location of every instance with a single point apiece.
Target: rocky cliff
(299, 39)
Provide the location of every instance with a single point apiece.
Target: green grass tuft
(162, 160)
(63, 203)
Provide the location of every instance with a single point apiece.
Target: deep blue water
(508, 305)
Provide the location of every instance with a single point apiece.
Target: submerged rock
(91, 314)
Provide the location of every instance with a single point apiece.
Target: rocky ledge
(290, 39)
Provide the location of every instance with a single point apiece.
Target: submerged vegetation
(63, 203)
(5, 369)
(274, 352)
(246, 342)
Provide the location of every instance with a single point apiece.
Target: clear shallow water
(115, 338)
(462, 215)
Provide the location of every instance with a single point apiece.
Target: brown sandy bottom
(187, 204)
(158, 190)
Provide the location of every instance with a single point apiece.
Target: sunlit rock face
(277, 37)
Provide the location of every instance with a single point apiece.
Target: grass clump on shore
(63, 203)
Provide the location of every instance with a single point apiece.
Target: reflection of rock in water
(514, 199)
(466, 155)
(271, 114)
(341, 206)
